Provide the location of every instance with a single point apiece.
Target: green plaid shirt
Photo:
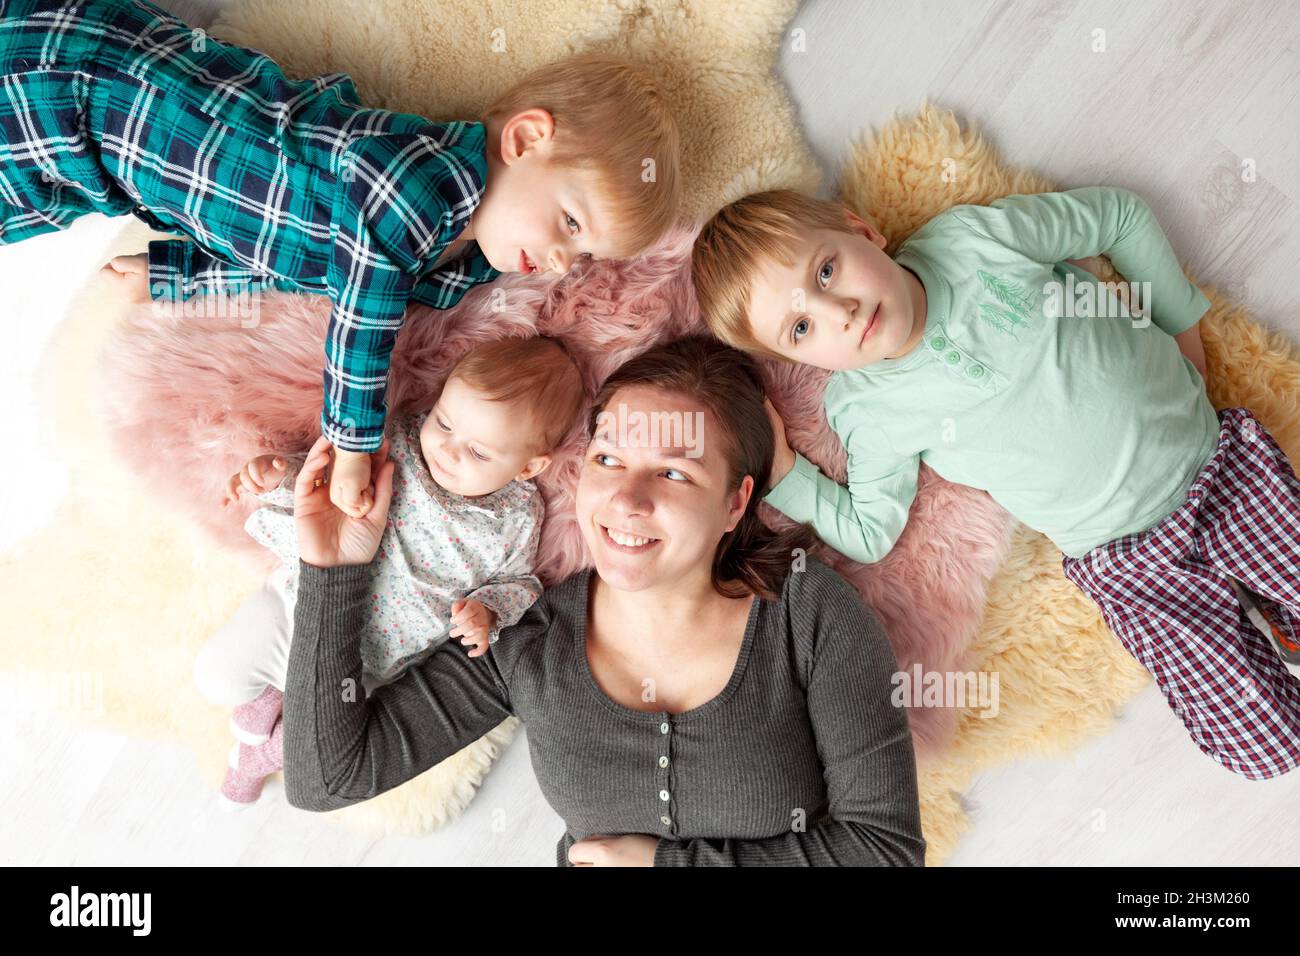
(283, 184)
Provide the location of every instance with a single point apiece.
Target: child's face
(535, 215)
(474, 446)
(817, 311)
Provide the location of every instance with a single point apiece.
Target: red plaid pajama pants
(1166, 594)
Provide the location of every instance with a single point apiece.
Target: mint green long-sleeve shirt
(1084, 428)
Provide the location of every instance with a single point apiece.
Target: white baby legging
(252, 649)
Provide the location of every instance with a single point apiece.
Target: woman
(705, 696)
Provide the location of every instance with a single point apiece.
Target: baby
(116, 106)
(983, 349)
(456, 558)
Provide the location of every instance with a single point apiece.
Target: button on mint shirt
(1086, 429)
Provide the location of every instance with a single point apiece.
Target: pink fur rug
(188, 399)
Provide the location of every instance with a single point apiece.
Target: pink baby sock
(249, 768)
(251, 723)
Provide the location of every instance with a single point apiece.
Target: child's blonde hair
(536, 375)
(735, 244)
(612, 121)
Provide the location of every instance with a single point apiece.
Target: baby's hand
(260, 475)
(783, 454)
(473, 620)
(130, 274)
(349, 479)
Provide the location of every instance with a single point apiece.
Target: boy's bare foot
(130, 274)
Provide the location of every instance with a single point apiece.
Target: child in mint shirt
(983, 350)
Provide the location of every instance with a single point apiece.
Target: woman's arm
(863, 742)
(340, 746)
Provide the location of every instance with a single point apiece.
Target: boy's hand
(1189, 343)
(783, 456)
(349, 480)
(472, 620)
(260, 475)
(130, 274)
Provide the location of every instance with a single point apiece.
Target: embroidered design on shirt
(1009, 293)
(1000, 319)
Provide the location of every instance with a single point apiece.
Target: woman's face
(660, 489)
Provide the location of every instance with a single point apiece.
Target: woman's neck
(671, 609)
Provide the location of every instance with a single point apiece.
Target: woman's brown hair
(751, 558)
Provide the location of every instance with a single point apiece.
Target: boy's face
(535, 215)
(843, 304)
(474, 446)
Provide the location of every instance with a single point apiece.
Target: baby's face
(535, 215)
(474, 446)
(843, 304)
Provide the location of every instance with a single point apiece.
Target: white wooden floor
(1182, 96)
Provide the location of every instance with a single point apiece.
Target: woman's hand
(327, 537)
(630, 849)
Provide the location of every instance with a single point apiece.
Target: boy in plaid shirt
(115, 106)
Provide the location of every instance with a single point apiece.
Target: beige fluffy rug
(113, 563)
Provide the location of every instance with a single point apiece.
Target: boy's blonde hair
(612, 121)
(735, 244)
(536, 375)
